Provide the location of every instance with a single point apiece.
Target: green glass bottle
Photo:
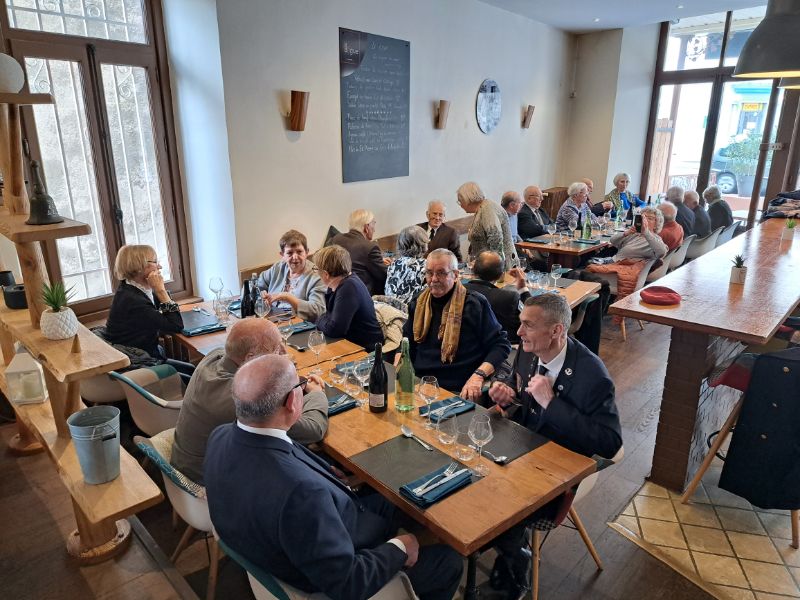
(404, 390)
(587, 228)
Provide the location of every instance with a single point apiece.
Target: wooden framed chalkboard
(374, 91)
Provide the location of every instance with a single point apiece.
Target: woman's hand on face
(156, 281)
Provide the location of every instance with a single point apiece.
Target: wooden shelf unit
(14, 228)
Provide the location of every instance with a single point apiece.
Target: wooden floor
(36, 516)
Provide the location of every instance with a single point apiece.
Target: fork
(440, 411)
(446, 473)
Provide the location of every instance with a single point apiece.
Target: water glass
(316, 341)
(352, 386)
(464, 452)
(362, 370)
(551, 229)
(337, 377)
(429, 391)
(447, 430)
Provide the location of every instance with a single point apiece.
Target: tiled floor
(736, 550)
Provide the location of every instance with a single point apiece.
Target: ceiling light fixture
(773, 49)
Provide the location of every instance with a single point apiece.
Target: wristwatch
(482, 373)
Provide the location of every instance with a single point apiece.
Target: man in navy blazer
(285, 510)
(439, 233)
(566, 395)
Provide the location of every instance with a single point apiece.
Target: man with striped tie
(561, 390)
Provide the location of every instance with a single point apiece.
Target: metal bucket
(95, 433)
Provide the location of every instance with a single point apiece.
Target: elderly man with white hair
(365, 254)
(576, 207)
(440, 234)
(719, 212)
(671, 232)
(684, 215)
(489, 229)
(702, 225)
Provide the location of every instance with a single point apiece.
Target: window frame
(91, 53)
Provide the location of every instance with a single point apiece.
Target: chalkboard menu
(374, 90)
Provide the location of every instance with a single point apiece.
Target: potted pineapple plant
(738, 270)
(58, 322)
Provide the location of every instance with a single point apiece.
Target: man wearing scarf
(452, 331)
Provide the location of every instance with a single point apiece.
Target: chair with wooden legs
(611, 278)
(188, 499)
(735, 376)
(572, 514)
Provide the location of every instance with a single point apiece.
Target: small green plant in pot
(738, 270)
(58, 322)
(788, 231)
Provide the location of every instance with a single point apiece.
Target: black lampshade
(790, 83)
(773, 49)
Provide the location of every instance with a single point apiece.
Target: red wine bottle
(378, 384)
(247, 308)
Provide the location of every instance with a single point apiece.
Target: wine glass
(428, 391)
(261, 308)
(337, 376)
(215, 285)
(316, 341)
(551, 229)
(285, 328)
(555, 273)
(222, 306)
(447, 430)
(362, 370)
(572, 226)
(480, 432)
(522, 263)
(352, 386)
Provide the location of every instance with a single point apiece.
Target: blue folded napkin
(582, 241)
(539, 292)
(437, 493)
(204, 329)
(564, 270)
(351, 403)
(298, 327)
(466, 407)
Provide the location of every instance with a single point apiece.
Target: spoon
(500, 460)
(410, 434)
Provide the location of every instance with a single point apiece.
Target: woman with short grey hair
(405, 277)
(576, 208)
(719, 212)
(489, 229)
(644, 245)
(620, 197)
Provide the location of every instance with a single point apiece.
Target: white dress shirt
(555, 365)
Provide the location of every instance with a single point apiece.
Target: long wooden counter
(713, 321)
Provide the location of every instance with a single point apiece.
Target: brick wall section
(690, 410)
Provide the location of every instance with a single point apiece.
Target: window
(706, 127)
(107, 152)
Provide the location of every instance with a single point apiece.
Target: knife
(296, 347)
(442, 481)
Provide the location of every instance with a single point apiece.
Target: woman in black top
(141, 308)
(350, 312)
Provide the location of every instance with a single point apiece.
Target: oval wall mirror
(488, 105)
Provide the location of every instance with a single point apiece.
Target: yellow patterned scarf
(450, 326)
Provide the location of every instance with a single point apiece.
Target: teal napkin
(298, 327)
(564, 270)
(539, 292)
(347, 405)
(342, 367)
(204, 329)
(590, 242)
(466, 407)
(437, 493)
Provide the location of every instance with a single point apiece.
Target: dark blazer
(350, 314)
(702, 225)
(367, 259)
(597, 208)
(719, 214)
(280, 507)
(134, 320)
(527, 225)
(685, 218)
(583, 416)
(504, 303)
(763, 462)
(445, 237)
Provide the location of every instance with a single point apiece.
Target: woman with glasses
(142, 308)
(405, 277)
(350, 313)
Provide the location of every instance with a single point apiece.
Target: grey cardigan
(310, 290)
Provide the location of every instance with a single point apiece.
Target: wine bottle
(378, 383)
(247, 308)
(649, 201)
(404, 388)
(255, 293)
(587, 229)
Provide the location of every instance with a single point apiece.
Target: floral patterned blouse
(405, 278)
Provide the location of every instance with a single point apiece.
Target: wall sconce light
(790, 83)
(440, 113)
(527, 117)
(773, 49)
(297, 115)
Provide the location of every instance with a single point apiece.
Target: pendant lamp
(773, 49)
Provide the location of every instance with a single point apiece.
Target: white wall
(284, 179)
(608, 118)
(199, 108)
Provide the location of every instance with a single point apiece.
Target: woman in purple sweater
(350, 313)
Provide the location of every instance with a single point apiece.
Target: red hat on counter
(660, 295)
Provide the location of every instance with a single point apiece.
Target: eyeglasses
(439, 274)
(153, 262)
(300, 384)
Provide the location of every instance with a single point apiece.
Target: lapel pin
(560, 388)
(568, 371)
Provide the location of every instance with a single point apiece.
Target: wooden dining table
(472, 517)
(200, 345)
(575, 293)
(567, 253)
